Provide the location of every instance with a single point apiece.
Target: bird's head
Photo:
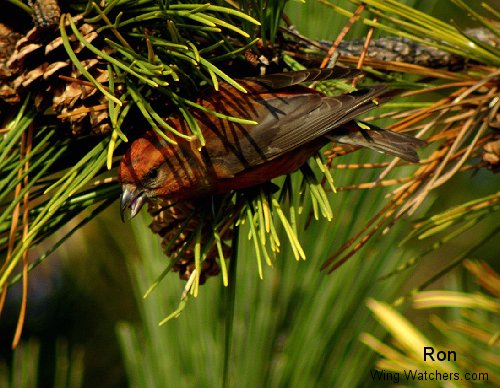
(142, 172)
(152, 168)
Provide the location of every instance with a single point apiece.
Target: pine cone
(8, 39)
(178, 242)
(46, 13)
(39, 64)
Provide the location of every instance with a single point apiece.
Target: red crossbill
(293, 123)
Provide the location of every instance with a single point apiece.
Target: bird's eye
(152, 174)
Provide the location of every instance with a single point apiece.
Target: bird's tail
(362, 134)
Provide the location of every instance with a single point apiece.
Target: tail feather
(378, 139)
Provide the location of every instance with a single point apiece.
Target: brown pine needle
(80, 82)
(341, 36)
(13, 225)
(423, 113)
(437, 87)
(406, 68)
(371, 185)
(361, 165)
(83, 110)
(26, 146)
(366, 45)
(351, 241)
(3, 296)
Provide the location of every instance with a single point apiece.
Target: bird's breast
(264, 172)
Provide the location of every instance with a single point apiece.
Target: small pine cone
(8, 39)
(168, 219)
(39, 64)
(46, 13)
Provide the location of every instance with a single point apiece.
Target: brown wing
(285, 122)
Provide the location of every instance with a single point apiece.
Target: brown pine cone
(40, 64)
(178, 240)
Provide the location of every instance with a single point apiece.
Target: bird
(291, 122)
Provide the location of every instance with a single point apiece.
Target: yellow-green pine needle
(214, 79)
(37, 224)
(325, 204)
(107, 57)
(253, 236)
(231, 27)
(293, 219)
(223, 75)
(326, 172)
(216, 8)
(434, 299)
(302, 195)
(267, 258)
(314, 203)
(318, 195)
(200, 8)
(195, 51)
(217, 114)
(140, 104)
(175, 314)
(407, 336)
(491, 10)
(111, 149)
(159, 279)
(193, 126)
(197, 262)
(220, 251)
(140, 100)
(265, 210)
(111, 26)
(201, 19)
(294, 241)
(275, 241)
(76, 61)
(260, 212)
(234, 52)
(260, 223)
(211, 47)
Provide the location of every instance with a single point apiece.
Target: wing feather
(283, 80)
(284, 124)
